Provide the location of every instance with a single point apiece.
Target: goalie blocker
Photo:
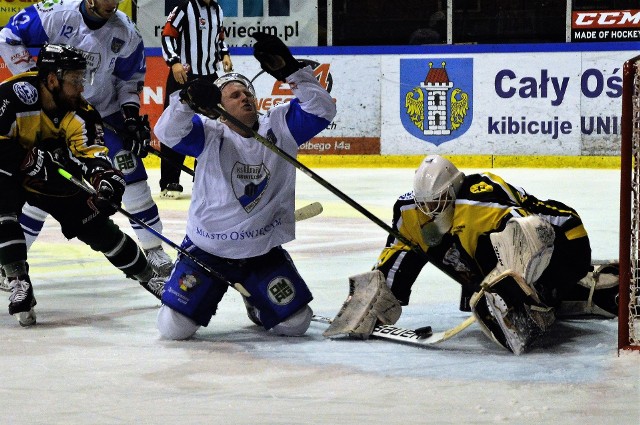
(370, 303)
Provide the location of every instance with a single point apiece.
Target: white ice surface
(95, 356)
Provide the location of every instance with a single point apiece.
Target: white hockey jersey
(115, 51)
(243, 195)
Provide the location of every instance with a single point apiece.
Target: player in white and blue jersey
(242, 202)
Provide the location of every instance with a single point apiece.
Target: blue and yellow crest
(436, 98)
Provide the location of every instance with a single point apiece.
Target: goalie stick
(413, 337)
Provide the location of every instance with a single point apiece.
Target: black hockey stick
(156, 152)
(203, 266)
(306, 170)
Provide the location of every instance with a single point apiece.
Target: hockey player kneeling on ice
(242, 202)
(521, 262)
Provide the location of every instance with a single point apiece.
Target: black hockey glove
(42, 165)
(274, 56)
(201, 96)
(137, 137)
(109, 186)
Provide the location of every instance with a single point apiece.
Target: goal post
(629, 310)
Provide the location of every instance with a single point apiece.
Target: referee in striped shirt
(192, 45)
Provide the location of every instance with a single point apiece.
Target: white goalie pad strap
(370, 302)
(603, 276)
(524, 246)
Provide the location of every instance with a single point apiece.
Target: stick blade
(308, 211)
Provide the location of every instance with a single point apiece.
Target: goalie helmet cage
(629, 311)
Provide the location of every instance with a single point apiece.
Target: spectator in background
(424, 36)
(192, 45)
(435, 34)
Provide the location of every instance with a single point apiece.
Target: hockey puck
(424, 332)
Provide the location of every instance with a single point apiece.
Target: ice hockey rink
(95, 357)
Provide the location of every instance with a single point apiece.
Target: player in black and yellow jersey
(45, 124)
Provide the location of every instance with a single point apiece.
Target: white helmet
(435, 185)
(234, 77)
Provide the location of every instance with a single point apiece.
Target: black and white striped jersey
(194, 35)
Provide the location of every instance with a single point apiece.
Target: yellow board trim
(462, 161)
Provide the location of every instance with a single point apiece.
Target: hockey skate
(172, 191)
(518, 328)
(155, 285)
(508, 313)
(159, 260)
(22, 301)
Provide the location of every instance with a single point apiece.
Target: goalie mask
(435, 186)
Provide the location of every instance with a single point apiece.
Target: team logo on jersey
(26, 92)
(481, 188)
(47, 5)
(21, 57)
(281, 291)
(436, 102)
(202, 23)
(249, 183)
(116, 45)
(125, 161)
(188, 282)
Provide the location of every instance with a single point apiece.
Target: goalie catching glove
(202, 96)
(370, 302)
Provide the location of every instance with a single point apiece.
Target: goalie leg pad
(370, 302)
(524, 246)
(508, 314)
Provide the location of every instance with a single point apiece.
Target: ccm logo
(606, 19)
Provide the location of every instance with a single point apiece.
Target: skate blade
(26, 318)
(170, 194)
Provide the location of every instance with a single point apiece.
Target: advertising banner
(561, 101)
(605, 25)
(8, 8)
(503, 103)
(295, 21)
